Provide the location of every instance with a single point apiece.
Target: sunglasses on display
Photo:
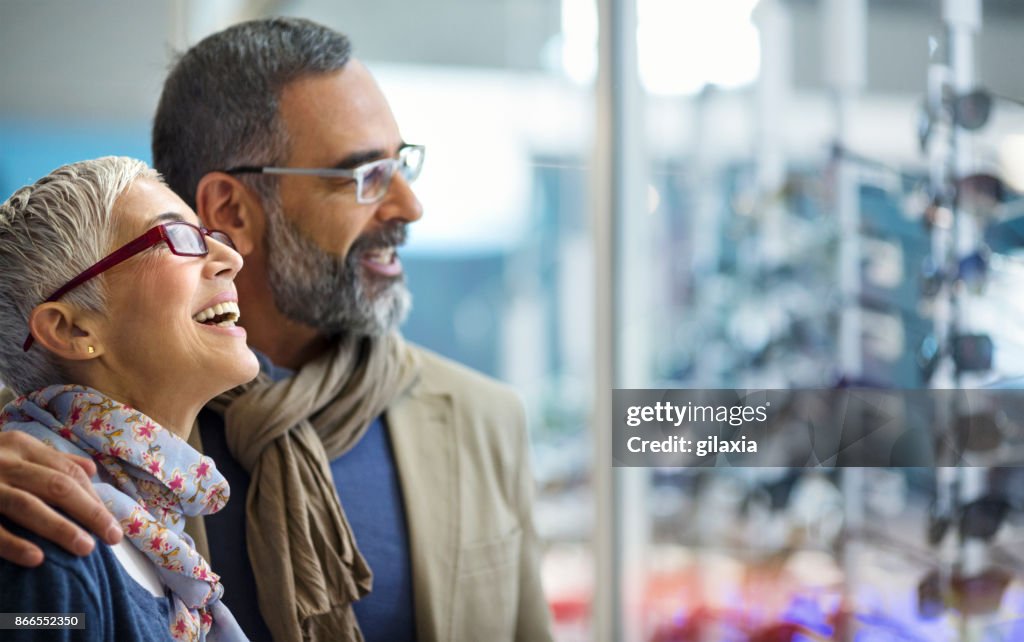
(970, 353)
(975, 594)
(979, 519)
(970, 111)
(980, 192)
(979, 432)
(982, 518)
(183, 239)
(971, 270)
(372, 179)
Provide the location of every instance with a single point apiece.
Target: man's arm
(35, 480)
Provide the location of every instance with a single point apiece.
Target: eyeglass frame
(358, 173)
(151, 237)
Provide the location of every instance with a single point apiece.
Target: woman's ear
(224, 203)
(65, 331)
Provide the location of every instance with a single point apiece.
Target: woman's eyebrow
(167, 217)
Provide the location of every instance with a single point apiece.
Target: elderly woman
(117, 313)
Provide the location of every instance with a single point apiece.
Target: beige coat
(461, 449)
(462, 455)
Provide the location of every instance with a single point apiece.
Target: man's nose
(400, 202)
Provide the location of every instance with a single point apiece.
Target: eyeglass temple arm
(150, 238)
(297, 171)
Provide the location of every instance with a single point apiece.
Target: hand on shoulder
(36, 484)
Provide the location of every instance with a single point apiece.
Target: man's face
(332, 262)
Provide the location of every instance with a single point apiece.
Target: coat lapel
(423, 438)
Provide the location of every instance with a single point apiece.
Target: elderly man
(274, 134)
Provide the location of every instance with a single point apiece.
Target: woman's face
(158, 353)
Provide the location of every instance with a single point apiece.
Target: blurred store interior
(745, 194)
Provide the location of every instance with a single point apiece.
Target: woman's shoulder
(96, 585)
(57, 561)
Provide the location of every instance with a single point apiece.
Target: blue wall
(30, 149)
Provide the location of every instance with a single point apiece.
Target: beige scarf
(308, 568)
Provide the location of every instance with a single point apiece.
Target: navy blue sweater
(115, 606)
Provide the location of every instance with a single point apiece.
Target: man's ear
(224, 203)
(65, 331)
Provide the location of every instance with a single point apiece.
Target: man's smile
(383, 261)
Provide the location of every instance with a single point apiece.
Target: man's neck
(285, 342)
(289, 344)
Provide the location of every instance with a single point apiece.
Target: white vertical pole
(774, 86)
(846, 31)
(178, 24)
(963, 22)
(618, 207)
(636, 269)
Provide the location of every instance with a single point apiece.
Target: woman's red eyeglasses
(183, 239)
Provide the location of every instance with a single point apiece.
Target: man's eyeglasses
(372, 179)
(183, 239)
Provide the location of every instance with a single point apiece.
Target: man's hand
(34, 477)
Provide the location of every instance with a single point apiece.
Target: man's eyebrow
(355, 159)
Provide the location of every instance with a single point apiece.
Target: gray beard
(330, 293)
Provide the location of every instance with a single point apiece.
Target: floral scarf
(158, 480)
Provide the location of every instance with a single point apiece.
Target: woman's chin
(243, 368)
(248, 368)
(251, 367)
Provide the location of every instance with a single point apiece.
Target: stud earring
(90, 350)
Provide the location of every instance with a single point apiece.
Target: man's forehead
(344, 107)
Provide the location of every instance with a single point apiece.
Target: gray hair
(50, 232)
(219, 106)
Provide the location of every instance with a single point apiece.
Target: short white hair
(50, 232)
